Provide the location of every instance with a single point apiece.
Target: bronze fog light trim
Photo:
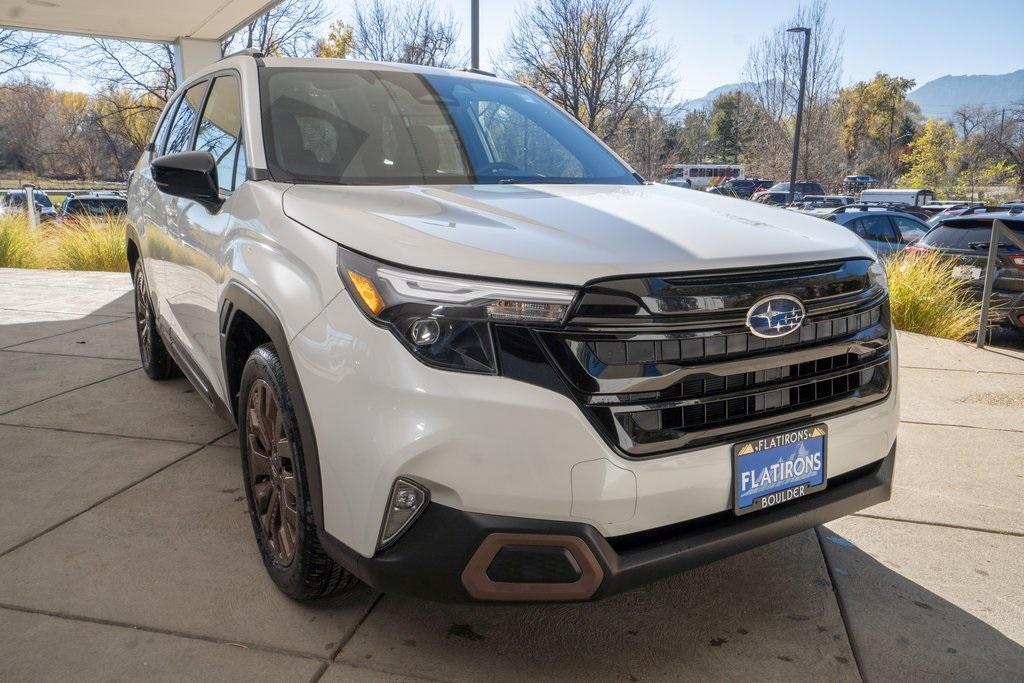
(481, 587)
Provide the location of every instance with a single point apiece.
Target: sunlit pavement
(126, 551)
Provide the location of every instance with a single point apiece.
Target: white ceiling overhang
(154, 20)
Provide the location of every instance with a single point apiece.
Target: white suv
(472, 355)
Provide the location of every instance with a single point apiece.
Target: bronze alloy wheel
(271, 472)
(143, 316)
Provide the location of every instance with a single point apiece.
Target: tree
(19, 49)
(876, 120)
(405, 31)
(290, 29)
(725, 126)
(595, 58)
(338, 43)
(773, 69)
(695, 136)
(931, 158)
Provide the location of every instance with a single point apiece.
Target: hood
(564, 234)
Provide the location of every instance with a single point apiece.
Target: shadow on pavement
(899, 629)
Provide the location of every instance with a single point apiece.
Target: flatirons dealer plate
(778, 468)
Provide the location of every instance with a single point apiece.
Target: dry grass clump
(925, 297)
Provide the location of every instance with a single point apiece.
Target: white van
(898, 196)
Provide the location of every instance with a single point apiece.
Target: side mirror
(192, 175)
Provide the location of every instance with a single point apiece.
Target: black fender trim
(238, 298)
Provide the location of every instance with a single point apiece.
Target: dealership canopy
(195, 27)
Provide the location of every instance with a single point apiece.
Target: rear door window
(180, 137)
(875, 228)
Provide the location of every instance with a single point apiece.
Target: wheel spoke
(271, 467)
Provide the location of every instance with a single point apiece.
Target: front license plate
(778, 468)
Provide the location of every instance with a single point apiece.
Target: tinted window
(962, 234)
(876, 228)
(96, 207)
(381, 127)
(221, 128)
(180, 137)
(18, 198)
(165, 126)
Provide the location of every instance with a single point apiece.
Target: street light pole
(474, 30)
(799, 108)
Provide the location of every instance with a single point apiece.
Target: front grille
(677, 368)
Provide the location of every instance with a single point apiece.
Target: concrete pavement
(126, 552)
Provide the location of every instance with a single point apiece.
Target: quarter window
(165, 126)
(220, 129)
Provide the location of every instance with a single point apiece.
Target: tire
(276, 486)
(156, 360)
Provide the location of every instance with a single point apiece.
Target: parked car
(13, 201)
(775, 198)
(967, 238)
(887, 232)
(858, 182)
(802, 188)
(819, 204)
(740, 187)
(467, 363)
(93, 205)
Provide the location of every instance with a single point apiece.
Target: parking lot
(126, 549)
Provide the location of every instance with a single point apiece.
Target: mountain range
(937, 98)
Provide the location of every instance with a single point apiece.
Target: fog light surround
(405, 503)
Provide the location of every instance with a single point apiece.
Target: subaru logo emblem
(775, 316)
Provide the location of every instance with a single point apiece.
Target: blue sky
(921, 39)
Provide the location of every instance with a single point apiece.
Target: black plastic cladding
(665, 363)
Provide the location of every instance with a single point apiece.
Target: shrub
(90, 243)
(19, 246)
(927, 299)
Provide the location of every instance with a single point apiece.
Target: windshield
(358, 126)
(18, 198)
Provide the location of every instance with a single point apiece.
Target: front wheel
(276, 486)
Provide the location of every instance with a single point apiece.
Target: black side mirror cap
(191, 175)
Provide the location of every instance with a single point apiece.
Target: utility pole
(474, 28)
(799, 108)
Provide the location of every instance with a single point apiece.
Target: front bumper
(435, 559)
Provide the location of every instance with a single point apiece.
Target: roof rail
(990, 209)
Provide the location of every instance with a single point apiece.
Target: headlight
(445, 321)
(877, 276)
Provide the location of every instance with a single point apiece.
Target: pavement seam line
(839, 604)
(66, 430)
(56, 334)
(28, 405)
(63, 355)
(319, 673)
(162, 631)
(959, 426)
(997, 532)
(973, 372)
(347, 637)
(109, 496)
